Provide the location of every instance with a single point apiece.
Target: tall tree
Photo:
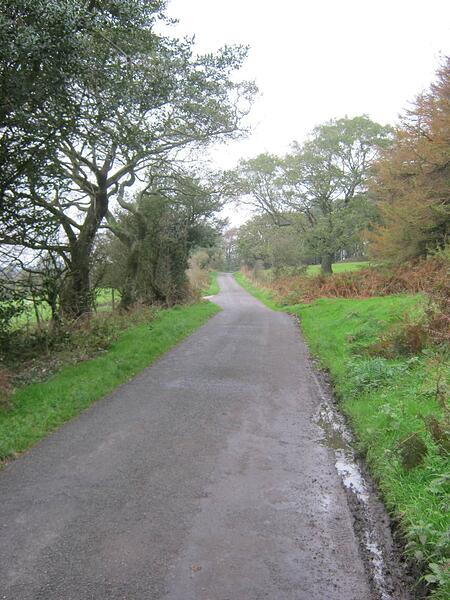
(412, 180)
(262, 240)
(46, 46)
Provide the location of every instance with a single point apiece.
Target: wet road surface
(202, 479)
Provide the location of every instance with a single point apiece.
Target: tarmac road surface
(201, 479)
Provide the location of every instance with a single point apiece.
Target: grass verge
(261, 293)
(387, 402)
(37, 409)
(213, 287)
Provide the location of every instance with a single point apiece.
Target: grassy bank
(40, 408)
(389, 402)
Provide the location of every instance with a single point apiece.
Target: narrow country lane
(202, 479)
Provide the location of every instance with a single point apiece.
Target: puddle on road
(338, 437)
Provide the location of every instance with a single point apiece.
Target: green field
(40, 408)
(267, 275)
(103, 302)
(104, 298)
(340, 267)
(386, 401)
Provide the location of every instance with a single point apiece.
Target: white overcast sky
(314, 60)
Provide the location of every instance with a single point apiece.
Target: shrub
(438, 310)
(407, 338)
(37, 353)
(10, 308)
(198, 276)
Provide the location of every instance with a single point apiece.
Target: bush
(438, 310)
(198, 275)
(10, 308)
(407, 338)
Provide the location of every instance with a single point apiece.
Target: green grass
(313, 270)
(385, 401)
(40, 408)
(262, 294)
(213, 287)
(103, 298)
(341, 267)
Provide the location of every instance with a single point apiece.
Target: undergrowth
(431, 276)
(34, 354)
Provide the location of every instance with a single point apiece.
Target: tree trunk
(326, 264)
(77, 297)
(56, 316)
(36, 310)
(128, 291)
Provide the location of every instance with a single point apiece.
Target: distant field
(105, 297)
(313, 270)
(103, 300)
(340, 267)
(28, 316)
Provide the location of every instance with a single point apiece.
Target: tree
(324, 179)
(156, 232)
(411, 180)
(147, 96)
(262, 240)
(46, 46)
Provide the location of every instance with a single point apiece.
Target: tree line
(353, 189)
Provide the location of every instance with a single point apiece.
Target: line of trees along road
(96, 99)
